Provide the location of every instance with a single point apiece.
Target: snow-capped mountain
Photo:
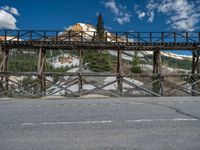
(89, 30)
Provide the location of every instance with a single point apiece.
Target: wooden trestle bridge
(80, 41)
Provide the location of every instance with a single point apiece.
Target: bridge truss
(159, 83)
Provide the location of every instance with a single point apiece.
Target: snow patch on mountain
(176, 56)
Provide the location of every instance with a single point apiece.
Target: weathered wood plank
(119, 71)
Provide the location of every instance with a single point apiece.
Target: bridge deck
(88, 40)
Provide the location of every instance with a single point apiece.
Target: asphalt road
(100, 124)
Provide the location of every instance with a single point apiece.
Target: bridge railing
(89, 36)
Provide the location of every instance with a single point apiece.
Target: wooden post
(4, 68)
(157, 69)
(80, 84)
(6, 53)
(1, 68)
(195, 70)
(119, 71)
(41, 70)
(198, 67)
(193, 62)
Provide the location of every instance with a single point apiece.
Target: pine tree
(136, 68)
(98, 60)
(100, 28)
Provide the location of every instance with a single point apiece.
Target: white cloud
(182, 15)
(151, 6)
(165, 7)
(151, 16)
(7, 20)
(14, 11)
(11, 10)
(120, 12)
(141, 14)
(124, 19)
(112, 5)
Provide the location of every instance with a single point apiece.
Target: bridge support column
(157, 69)
(119, 72)
(80, 84)
(41, 71)
(195, 70)
(4, 68)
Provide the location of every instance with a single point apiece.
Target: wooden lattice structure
(80, 41)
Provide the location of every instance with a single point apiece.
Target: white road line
(157, 120)
(64, 123)
(107, 122)
(184, 119)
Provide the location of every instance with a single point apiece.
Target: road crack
(175, 109)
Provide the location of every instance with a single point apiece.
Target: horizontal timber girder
(84, 74)
(105, 46)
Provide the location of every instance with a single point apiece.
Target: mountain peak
(82, 27)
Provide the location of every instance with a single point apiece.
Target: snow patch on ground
(74, 88)
(64, 60)
(114, 85)
(165, 69)
(125, 57)
(73, 70)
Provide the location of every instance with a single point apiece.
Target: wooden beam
(99, 74)
(100, 87)
(2, 61)
(4, 68)
(65, 87)
(157, 62)
(41, 71)
(119, 72)
(109, 45)
(141, 88)
(157, 69)
(195, 70)
(80, 83)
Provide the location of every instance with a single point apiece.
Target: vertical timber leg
(1, 69)
(4, 68)
(157, 69)
(41, 71)
(195, 70)
(80, 84)
(119, 72)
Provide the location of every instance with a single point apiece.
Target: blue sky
(119, 15)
